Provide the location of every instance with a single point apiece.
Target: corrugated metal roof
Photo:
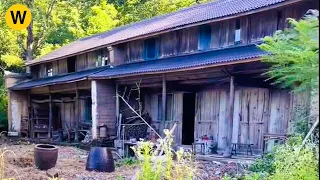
(77, 76)
(194, 14)
(183, 62)
(166, 64)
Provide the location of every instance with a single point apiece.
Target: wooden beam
(185, 69)
(77, 111)
(164, 98)
(94, 109)
(230, 114)
(50, 117)
(117, 102)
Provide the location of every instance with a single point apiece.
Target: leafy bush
(289, 161)
(293, 162)
(173, 165)
(3, 106)
(295, 50)
(265, 164)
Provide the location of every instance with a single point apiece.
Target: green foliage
(136, 10)
(154, 166)
(293, 163)
(101, 18)
(127, 162)
(289, 161)
(3, 106)
(265, 164)
(295, 55)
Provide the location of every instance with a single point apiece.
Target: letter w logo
(18, 16)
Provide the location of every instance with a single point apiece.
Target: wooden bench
(278, 138)
(236, 145)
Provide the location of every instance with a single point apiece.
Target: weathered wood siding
(59, 67)
(151, 106)
(252, 29)
(85, 61)
(209, 114)
(257, 111)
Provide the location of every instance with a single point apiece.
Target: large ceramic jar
(45, 156)
(100, 159)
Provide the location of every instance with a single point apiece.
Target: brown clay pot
(100, 159)
(45, 156)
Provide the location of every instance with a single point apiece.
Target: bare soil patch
(19, 164)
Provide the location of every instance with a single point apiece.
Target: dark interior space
(71, 64)
(188, 118)
(56, 117)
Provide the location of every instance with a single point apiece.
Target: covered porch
(231, 105)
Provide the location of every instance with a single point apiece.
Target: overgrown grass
(289, 161)
(163, 162)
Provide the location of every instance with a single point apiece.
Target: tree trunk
(29, 51)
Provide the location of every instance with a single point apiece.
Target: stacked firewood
(138, 129)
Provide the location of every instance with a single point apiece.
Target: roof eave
(181, 69)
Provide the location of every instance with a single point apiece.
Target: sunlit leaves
(295, 55)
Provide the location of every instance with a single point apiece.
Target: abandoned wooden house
(198, 67)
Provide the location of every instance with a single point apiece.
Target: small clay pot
(45, 156)
(100, 159)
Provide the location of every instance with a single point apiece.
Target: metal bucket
(100, 159)
(45, 156)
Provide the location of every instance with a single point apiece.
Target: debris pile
(214, 170)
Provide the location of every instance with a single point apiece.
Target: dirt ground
(19, 164)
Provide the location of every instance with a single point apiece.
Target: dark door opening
(189, 100)
(56, 119)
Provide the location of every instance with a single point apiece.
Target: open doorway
(188, 118)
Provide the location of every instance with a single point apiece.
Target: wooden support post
(77, 111)
(118, 112)
(230, 115)
(31, 120)
(50, 116)
(117, 101)
(94, 109)
(164, 103)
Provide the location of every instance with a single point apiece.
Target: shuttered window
(151, 49)
(204, 37)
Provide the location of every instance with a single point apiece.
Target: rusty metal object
(100, 159)
(45, 156)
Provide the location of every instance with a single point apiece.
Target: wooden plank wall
(151, 106)
(59, 67)
(134, 50)
(251, 112)
(67, 114)
(256, 111)
(253, 28)
(208, 104)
